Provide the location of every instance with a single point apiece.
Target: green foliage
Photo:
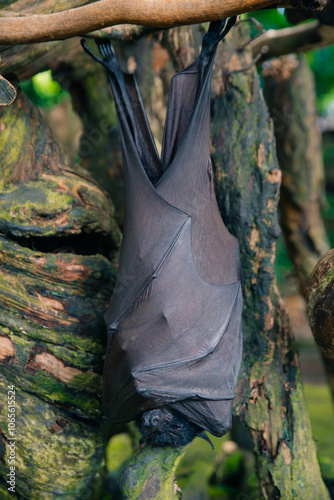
(223, 474)
(321, 63)
(43, 91)
(328, 215)
(269, 18)
(119, 450)
(320, 60)
(321, 412)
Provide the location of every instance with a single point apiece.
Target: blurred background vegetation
(228, 472)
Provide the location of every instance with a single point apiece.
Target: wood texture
(104, 13)
(100, 148)
(270, 401)
(7, 92)
(150, 473)
(290, 94)
(57, 230)
(320, 296)
(301, 38)
(27, 60)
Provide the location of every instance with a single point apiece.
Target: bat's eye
(146, 420)
(155, 420)
(150, 418)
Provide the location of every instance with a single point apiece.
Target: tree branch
(150, 473)
(320, 295)
(7, 92)
(104, 13)
(297, 39)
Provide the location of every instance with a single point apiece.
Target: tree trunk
(290, 94)
(320, 296)
(57, 229)
(270, 400)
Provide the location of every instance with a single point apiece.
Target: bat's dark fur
(174, 339)
(164, 427)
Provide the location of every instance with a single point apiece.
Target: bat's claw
(109, 60)
(216, 32)
(89, 51)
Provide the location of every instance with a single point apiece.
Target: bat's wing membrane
(182, 341)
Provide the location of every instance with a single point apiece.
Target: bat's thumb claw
(202, 434)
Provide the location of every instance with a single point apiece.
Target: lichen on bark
(57, 243)
(269, 399)
(290, 94)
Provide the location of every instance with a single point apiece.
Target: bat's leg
(116, 78)
(130, 109)
(166, 427)
(216, 32)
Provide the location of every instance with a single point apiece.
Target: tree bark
(150, 473)
(290, 94)
(320, 297)
(60, 25)
(27, 60)
(301, 38)
(7, 92)
(57, 229)
(99, 148)
(269, 399)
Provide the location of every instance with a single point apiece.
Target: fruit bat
(174, 320)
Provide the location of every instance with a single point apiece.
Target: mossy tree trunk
(57, 240)
(290, 94)
(269, 400)
(320, 297)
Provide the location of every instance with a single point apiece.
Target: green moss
(320, 407)
(11, 144)
(54, 206)
(119, 450)
(56, 456)
(197, 466)
(150, 474)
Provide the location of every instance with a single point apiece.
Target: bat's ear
(202, 434)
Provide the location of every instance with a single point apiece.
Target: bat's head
(166, 427)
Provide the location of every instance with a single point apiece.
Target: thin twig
(295, 39)
(264, 49)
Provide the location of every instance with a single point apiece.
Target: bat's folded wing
(180, 341)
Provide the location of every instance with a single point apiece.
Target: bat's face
(166, 427)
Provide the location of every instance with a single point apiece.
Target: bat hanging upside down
(174, 320)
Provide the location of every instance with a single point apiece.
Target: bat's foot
(109, 59)
(216, 32)
(166, 427)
